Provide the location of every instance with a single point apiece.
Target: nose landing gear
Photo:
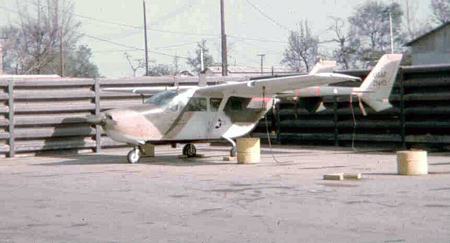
(189, 150)
(134, 155)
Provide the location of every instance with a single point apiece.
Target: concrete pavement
(102, 198)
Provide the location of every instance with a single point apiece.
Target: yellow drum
(248, 150)
(412, 162)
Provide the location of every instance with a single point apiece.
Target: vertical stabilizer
(377, 87)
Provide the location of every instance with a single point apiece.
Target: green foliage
(160, 70)
(370, 24)
(33, 44)
(302, 50)
(78, 64)
(348, 45)
(195, 62)
(441, 11)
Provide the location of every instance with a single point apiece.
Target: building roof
(427, 34)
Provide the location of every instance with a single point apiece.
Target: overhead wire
(159, 31)
(267, 16)
(257, 39)
(109, 41)
(167, 31)
(132, 47)
(173, 13)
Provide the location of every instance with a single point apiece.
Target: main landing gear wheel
(233, 152)
(189, 150)
(134, 156)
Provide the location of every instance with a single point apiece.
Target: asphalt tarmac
(102, 198)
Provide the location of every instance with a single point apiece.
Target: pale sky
(174, 28)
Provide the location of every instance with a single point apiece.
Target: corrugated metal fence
(420, 117)
(38, 115)
(47, 114)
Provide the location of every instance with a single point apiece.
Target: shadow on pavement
(169, 160)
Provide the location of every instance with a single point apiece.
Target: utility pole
(392, 36)
(262, 63)
(1, 57)
(390, 28)
(224, 40)
(61, 41)
(145, 37)
(61, 50)
(202, 63)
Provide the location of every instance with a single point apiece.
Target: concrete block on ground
(148, 150)
(334, 177)
(349, 176)
(228, 158)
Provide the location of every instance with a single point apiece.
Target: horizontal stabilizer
(323, 67)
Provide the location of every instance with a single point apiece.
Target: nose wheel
(233, 151)
(134, 156)
(189, 150)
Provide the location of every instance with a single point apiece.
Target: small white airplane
(202, 114)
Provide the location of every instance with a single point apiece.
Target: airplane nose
(109, 118)
(102, 119)
(130, 123)
(96, 119)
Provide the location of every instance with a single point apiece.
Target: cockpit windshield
(161, 99)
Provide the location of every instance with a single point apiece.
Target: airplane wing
(147, 90)
(272, 86)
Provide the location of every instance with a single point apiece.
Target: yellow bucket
(248, 150)
(412, 162)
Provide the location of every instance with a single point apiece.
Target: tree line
(45, 40)
(365, 36)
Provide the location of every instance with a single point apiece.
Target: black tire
(134, 156)
(189, 150)
(233, 152)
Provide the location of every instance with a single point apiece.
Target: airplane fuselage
(183, 116)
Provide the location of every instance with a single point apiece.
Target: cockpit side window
(243, 109)
(214, 103)
(196, 104)
(161, 99)
(237, 103)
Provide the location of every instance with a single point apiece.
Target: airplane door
(195, 120)
(218, 123)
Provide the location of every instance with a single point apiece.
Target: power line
(163, 31)
(267, 16)
(182, 44)
(112, 51)
(173, 13)
(9, 10)
(257, 39)
(131, 47)
(142, 28)
(130, 26)
(108, 22)
(111, 42)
